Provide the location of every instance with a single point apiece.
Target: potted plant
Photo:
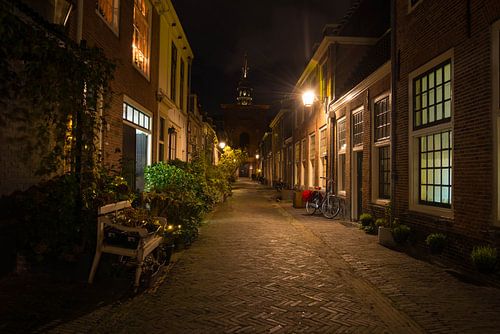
(436, 242)
(400, 232)
(484, 258)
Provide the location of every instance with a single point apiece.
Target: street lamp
(222, 145)
(257, 156)
(308, 98)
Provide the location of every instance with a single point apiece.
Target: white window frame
(296, 175)
(376, 145)
(323, 152)
(341, 151)
(115, 24)
(303, 162)
(414, 137)
(358, 147)
(495, 64)
(312, 159)
(146, 73)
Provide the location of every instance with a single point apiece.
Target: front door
(357, 184)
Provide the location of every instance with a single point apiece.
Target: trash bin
(297, 199)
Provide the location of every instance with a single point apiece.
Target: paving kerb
(436, 300)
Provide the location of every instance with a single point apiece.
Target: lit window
(136, 116)
(432, 137)
(109, 11)
(435, 165)
(140, 39)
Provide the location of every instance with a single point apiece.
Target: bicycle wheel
(311, 206)
(330, 207)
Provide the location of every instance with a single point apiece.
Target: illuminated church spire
(244, 97)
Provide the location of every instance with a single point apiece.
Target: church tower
(244, 97)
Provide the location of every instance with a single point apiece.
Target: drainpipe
(394, 77)
(79, 24)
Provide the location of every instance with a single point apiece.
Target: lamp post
(308, 98)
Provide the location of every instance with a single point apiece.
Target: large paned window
(432, 96)
(303, 162)
(384, 172)
(181, 88)
(382, 119)
(109, 10)
(432, 134)
(341, 155)
(435, 153)
(322, 155)
(312, 159)
(381, 157)
(357, 128)
(296, 180)
(161, 140)
(172, 143)
(173, 73)
(141, 36)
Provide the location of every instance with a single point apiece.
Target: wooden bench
(148, 242)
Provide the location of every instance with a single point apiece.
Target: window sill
(383, 202)
(433, 211)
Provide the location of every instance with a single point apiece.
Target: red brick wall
(127, 80)
(363, 99)
(426, 32)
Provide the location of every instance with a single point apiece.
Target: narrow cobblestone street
(264, 267)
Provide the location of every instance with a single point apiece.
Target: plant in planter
(436, 242)
(484, 258)
(136, 218)
(400, 232)
(368, 223)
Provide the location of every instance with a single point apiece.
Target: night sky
(278, 36)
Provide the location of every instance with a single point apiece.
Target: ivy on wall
(50, 92)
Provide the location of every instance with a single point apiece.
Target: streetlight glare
(222, 144)
(308, 98)
(257, 156)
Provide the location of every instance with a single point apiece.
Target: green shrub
(436, 242)
(484, 258)
(366, 219)
(381, 222)
(371, 229)
(400, 233)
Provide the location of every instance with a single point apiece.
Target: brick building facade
(446, 129)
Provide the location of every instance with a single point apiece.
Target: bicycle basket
(306, 195)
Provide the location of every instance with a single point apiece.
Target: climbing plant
(50, 93)
(54, 94)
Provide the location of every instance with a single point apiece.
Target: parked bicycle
(328, 204)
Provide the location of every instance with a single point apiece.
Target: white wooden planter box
(385, 237)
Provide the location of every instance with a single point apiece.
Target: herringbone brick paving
(263, 268)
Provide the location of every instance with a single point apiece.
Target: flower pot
(385, 237)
